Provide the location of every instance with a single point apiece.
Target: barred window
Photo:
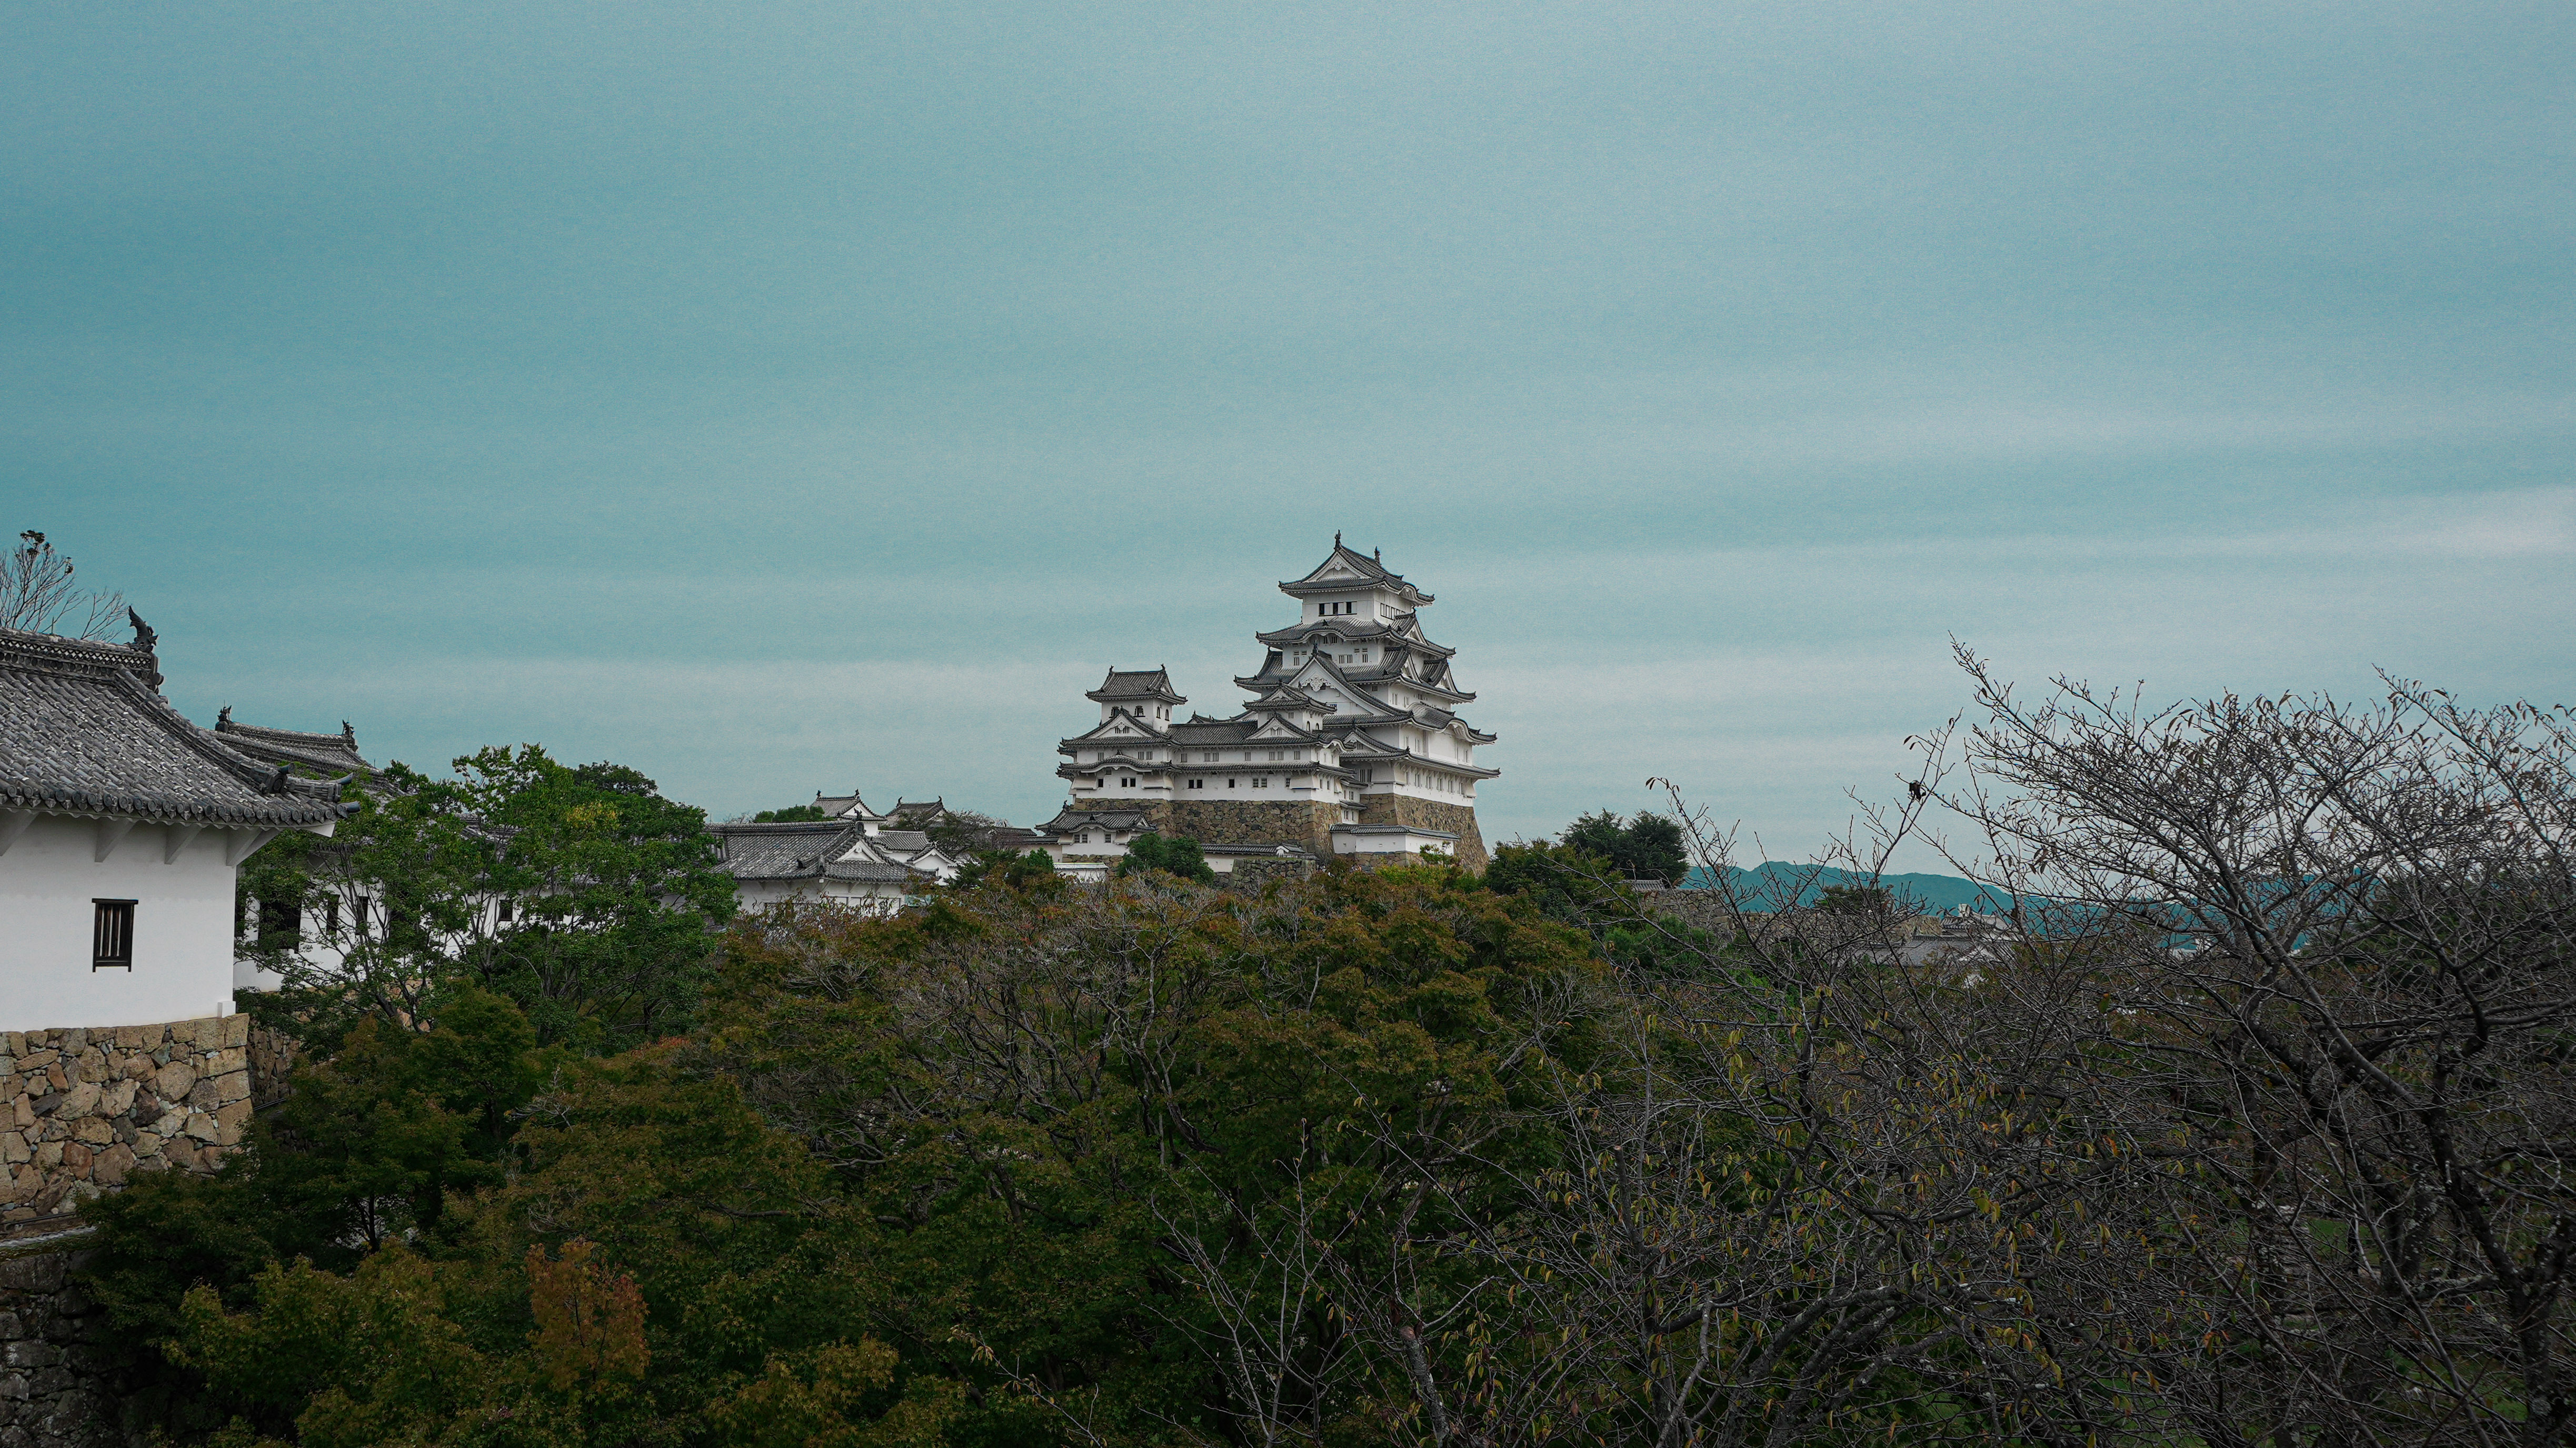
(112, 935)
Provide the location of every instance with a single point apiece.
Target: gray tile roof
(1202, 731)
(328, 753)
(781, 852)
(1136, 684)
(1070, 818)
(1357, 630)
(1285, 697)
(808, 850)
(867, 870)
(1366, 566)
(82, 731)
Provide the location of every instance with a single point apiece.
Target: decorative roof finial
(1376, 556)
(224, 718)
(348, 733)
(1337, 537)
(144, 639)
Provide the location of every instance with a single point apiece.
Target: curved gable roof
(1129, 684)
(1347, 568)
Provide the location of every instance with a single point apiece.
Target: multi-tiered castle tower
(1350, 744)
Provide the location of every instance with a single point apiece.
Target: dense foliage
(986, 1173)
(1646, 847)
(1175, 855)
(578, 892)
(2257, 1138)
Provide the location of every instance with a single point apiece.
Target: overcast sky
(777, 398)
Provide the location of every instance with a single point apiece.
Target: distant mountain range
(1931, 893)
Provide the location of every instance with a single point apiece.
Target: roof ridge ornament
(223, 718)
(145, 640)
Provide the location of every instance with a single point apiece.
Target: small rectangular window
(505, 912)
(331, 914)
(112, 935)
(364, 905)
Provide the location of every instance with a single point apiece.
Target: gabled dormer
(1144, 695)
(1354, 586)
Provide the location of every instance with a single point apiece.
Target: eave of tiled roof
(327, 753)
(1356, 631)
(83, 731)
(1371, 571)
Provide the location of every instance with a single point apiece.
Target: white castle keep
(1350, 743)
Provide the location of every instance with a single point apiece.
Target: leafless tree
(1812, 1185)
(38, 596)
(2337, 947)
(2255, 1128)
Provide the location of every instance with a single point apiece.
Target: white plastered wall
(871, 897)
(183, 926)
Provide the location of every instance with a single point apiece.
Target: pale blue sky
(782, 397)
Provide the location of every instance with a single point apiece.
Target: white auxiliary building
(854, 856)
(122, 827)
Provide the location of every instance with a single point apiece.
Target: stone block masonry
(55, 1387)
(1427, 814)
(1251, 877)
(1307, 824)
(83, 1110)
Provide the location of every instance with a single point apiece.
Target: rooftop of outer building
(318, 754)
(84, 731)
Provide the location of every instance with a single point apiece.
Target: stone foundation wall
(1304, 823)
(81, 1110)
(55, 1391)
(1426, 814)
(1252, 876)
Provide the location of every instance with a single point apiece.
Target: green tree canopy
(1173, 855)
(1645, 847)
(581, 893)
